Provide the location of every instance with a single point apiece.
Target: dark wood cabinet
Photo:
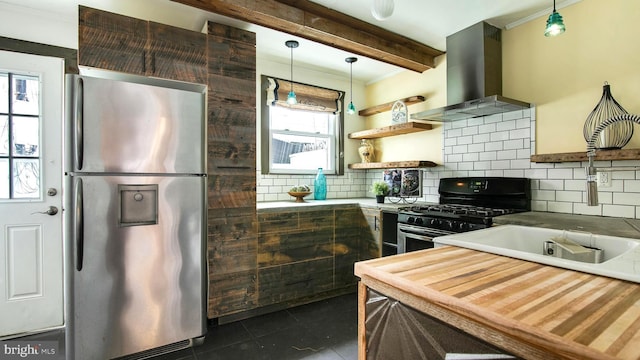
(231, 141)
(125, 44)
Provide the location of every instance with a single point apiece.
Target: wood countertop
(531, 310)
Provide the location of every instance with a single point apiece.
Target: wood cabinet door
(371, 241)
(177, 54)
(111, 41)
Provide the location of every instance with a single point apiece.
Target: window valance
(311, 98)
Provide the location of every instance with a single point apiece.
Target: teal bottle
(320, 186)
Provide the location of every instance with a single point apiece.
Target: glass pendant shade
(291, 98)
(555, 25)
(614, 136)
(351, 109)
(382, 9)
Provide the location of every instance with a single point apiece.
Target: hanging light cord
(291, 68)
(351, 80)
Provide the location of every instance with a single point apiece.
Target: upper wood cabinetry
(121, 43)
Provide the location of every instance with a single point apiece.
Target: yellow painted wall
(425, 145)
(564, 75)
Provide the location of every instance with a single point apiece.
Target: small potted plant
(380, 189)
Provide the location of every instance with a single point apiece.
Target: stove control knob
(448, 225)
(419, 221)
(463, 226)
(434, 222)
(411, 220)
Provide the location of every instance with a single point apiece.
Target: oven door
(412, 238)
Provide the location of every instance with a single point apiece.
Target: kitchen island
(526, 309)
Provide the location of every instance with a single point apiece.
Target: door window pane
(25, 136)
(4, 93)
(4, 179)
(25, 95)
(26, 178)
(4, 135)
(19, 136)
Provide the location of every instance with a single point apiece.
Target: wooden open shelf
(393, 165)
(624, 154)
(387, 106)
(398, 129)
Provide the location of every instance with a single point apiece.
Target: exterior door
(31, 260)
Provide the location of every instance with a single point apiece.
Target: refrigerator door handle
(79, 224)
(78, 138)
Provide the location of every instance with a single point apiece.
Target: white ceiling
(426, 21)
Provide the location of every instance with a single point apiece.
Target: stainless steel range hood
(474, 77)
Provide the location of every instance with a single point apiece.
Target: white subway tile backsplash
(575, 185)
(486, 129)
(519, 133)
(619, 211)
(475, 121)
(631, 185)
(472, 130)
(536, 173)
(454, 133)
(560, 174)
(513, 144)
(524, 153)
(520, 164)
(493, 146)
(501, 164)
(479, 148)
(497, 173)
(465, 166)
(584, 209)
(454, 158)
(560, 207)
(481, 165)
(625, 198)
(569, 196)
(459, 149)
(488, 155)
(470, 157)
(465, 140)
(543, 195)
(514, 173)
(518, 114)
(493, 118)
(500, 136)
(451, 141)
(507, 155)
(523, 123)
(481, 139)
(506, 125)
(547, 184)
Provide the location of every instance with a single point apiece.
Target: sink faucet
(592, 171)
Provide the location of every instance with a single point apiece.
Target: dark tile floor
(324, 330)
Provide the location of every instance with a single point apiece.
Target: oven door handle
(419, 236)
(424, 233)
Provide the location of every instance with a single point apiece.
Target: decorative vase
(366, 151)
(380, 199)
(320, 186)
(614, 136)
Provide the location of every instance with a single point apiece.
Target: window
(299, 139)
(19, 136)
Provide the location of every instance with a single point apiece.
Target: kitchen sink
(611, 256)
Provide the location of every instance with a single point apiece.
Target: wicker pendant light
(614, 136)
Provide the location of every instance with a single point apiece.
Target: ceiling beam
(314, 22)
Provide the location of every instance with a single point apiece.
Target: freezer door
(138, 272)
(128, 127)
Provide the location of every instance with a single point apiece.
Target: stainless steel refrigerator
(135, 215)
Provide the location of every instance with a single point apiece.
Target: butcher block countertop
(531, 310)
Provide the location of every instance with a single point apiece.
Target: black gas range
(466, 204)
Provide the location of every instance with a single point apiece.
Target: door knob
(52, 192)
(52, 211)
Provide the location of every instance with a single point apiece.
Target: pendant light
(351, 109)
(382, 9)
(555, 26)
(291, 98)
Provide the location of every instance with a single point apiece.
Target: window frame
(337, 138)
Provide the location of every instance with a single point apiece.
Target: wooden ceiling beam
(314, 22)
